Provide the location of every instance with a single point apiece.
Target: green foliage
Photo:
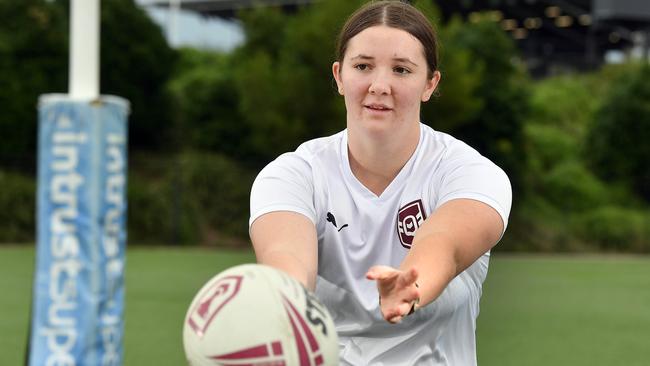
(206, 104)
(566, 103)
(495, 126)
(616, 228)
(617, 145)
(570, 186)
(264, 28)
(283, 76)
(33, 61)
(263, 107)
(481, 97)
(187, 199)
(547, 146)
(256, 81)
(561, 109)
(218, 190)
(430, 10)
(17, 208)
(531, 230)
(154, 210)
(567, 207)
(307, 60)
(136, 63)
(458, 101)
(572, 145)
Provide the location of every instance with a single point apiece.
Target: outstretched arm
(449, 241)
(287, 241)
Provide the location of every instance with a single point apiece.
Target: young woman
(389, 221)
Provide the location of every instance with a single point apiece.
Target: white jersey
(357, 229)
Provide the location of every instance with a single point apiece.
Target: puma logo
(332, 219)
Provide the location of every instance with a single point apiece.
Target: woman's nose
(379, 85)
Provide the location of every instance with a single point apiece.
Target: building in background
(554, 36)
(564, 35)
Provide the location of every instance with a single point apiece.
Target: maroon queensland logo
(213, 299)
(409, 219)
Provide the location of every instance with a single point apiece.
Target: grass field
(592, 310)
(550, 310)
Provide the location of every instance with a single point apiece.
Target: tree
(287, 94)
(283, 76)
(617, 142)
(455, 102)
(136, 64)
(205, 98)
(495, 127)
(33, 61)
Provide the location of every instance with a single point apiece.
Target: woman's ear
(336, 72)
(431, 86)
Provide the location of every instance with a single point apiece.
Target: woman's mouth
(378, 107)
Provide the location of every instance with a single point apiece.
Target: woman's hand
(398, 291)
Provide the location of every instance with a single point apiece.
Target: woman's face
(383, 78)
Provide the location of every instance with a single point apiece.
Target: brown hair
(394, 14)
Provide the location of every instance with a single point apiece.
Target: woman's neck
(375, 162)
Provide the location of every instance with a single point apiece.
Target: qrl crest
(212, 300)
(409, 219)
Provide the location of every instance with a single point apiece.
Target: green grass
(160, 284)
(16, 271)
(565, 311)
(592, 310)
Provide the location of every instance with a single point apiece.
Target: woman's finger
(381, 272)
(408, 277)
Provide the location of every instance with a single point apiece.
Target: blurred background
(556, 92)
(553, 91)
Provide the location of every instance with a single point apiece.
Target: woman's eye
(401, 70)
(361, 67)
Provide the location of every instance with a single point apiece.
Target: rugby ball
(253, 314)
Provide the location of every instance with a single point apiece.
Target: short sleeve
(285, 184)
(473, 176)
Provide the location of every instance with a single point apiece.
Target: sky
(195, 30)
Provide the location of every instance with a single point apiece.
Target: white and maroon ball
(253, 314)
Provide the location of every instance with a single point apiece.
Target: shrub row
(198, 198)
(190, 198)
(539, 226)
(17, 208)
